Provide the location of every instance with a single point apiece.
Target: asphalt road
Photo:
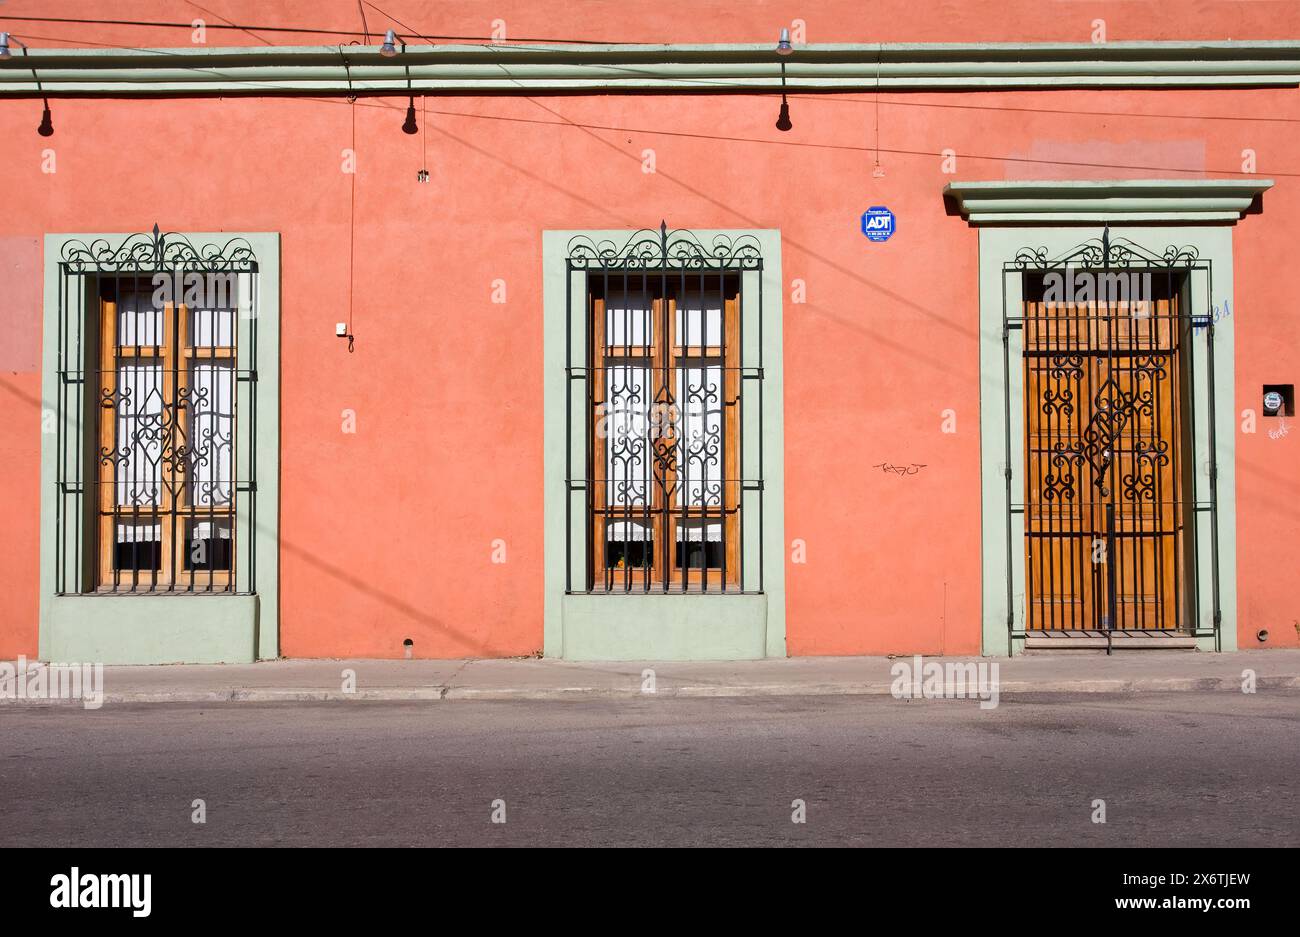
(1186, 769)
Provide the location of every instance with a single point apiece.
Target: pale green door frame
(662, 627)
(154, 629)
(1002, 431)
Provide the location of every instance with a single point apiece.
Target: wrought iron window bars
(667, 377)
(156, 402)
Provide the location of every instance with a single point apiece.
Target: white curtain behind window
(627, 453)
(139, 443)
(211, 433)
(138, 321)
(696, 531)
(699, 319)
(212, 327)
(628, 319)
(700, 448)
(620, 531)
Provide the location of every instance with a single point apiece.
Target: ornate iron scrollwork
(655, 250)
(1112, 409)
(1106, 252)
(147, 253)
(1058, 487)
(1066, 366)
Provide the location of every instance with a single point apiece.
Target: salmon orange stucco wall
(389, 531)
(1266, 321)
(20, 438)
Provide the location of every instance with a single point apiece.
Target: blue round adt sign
(878, 223)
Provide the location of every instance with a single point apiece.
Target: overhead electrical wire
(860, 149)
(532, 100)
(290, 29)
(564, 121)
(361, 8)
(232, 25)
(877, 149)
(830, 98)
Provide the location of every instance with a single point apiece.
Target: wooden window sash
(173, 511)
(665, 358)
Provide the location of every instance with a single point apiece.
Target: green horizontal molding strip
(1146, 200)
(324, 70)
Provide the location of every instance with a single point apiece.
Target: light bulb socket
(783, 47)
(4, 46)
(389, 48)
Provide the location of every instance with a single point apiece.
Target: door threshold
(1092, 640)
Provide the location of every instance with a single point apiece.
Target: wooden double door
(1106, 519)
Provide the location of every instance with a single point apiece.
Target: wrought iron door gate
(1106, 337)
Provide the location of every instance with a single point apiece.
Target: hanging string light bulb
(423, 174)
(879, 171)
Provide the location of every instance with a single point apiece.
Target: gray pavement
(1194, 768)
(533, 679)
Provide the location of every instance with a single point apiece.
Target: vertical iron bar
(667, 375)
(723, 406)
(1112, 559)
(174, 519)
(1177, 494)
(1195, 453)
(1214, 487)
(568, 426)
(627, 394)
(762, 395)
(1006, 439)
(60, 441)
(1110, 578)
(249, 419)
(650, 489)
(589, 481)
(80, 439)
(1053, 598)
(1136, 523)
(1033, 519)
(740, 425)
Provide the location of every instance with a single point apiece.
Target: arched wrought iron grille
(1106, 339)
(155, 407)
(672, 414)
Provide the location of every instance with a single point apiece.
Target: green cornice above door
(1085, 201)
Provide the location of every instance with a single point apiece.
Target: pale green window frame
(659, 627)
(144, 629)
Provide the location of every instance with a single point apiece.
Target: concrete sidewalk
(532, 679)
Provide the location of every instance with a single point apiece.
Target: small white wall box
(341, 330)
